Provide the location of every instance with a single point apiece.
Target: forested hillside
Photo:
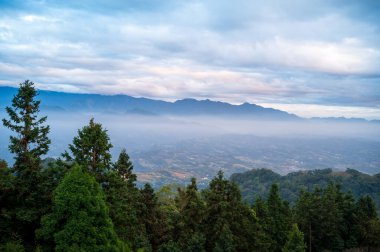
(85, 202)
(257, 182)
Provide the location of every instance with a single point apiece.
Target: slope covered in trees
(257, 182)
(84, 202)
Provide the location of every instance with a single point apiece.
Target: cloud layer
(267, 52)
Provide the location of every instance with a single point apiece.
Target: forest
(83, 201)
(257, 182)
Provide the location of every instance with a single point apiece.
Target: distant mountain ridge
(52, 100)
(120, 104)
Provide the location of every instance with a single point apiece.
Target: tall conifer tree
(91, 149)
(28, 143)
(31, 140)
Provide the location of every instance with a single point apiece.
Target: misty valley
(170, 144)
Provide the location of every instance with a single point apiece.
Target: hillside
(257, 182)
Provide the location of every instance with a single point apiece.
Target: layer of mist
(215, 143)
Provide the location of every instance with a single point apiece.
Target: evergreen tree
(367, 224)
(191, 209)
(225, 241)
(29, 143)
(154, 220)
(124, 168)
(79, 220)
(124, 201)
(327, 218)
(333, 218)
(307, 217)
(227, 216)
(265, 240)
(295, 242)
(91, 149)
(279, 219)
(6, 202)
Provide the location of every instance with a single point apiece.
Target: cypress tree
(124, 201)
(153, 218)
(91, 149)
(124, 168)
(191, 209)
(79, 219)
(227, 216)
(279, 218)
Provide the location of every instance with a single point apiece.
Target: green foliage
(191, 210)
(331, 220)
(257, 182)
(170, 246)
(124, 202)
(225, 241)
(295, 242)
(91, 149)
(6, 202)
(366, 223)
(226, 215)
(153, 218)
(278, 220)
(124, 168)
(29, 142)
(79, 220)
(12, 246)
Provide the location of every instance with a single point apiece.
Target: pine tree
(307, 217)
(124, 201)
(191, 208)
(367, 224)
(29, 143)
(91, 149)
(295, 242)
(226, 215)
(124, 168)
(153, 218)
(279, 221)
(79, 220)
(264, 238)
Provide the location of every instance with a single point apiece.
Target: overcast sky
(314, 58)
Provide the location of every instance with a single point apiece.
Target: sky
(312, 58)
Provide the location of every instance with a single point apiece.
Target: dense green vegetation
(257, 182)
(84, 202)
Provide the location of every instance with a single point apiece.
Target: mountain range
(57, 101)
(125, 104)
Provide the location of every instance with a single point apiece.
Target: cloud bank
(292, 54)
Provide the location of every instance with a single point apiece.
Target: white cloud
(266, 52)
(313, 110)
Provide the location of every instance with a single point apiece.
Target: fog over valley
(173, 148)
